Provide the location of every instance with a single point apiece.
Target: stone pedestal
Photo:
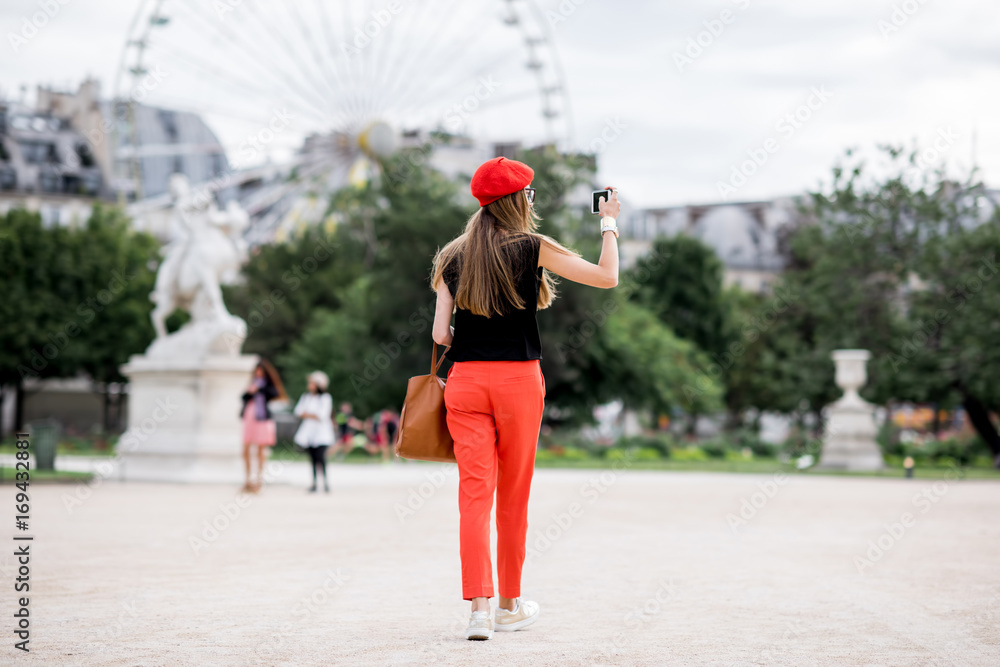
(184, 419)
(849, 437)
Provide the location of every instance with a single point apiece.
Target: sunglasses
(530, 194)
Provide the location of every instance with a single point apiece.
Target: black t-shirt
(509, 337)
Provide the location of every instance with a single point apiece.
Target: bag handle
(435, 362)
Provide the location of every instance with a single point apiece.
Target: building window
(86, 157)
(49, 181)
(8, 178)
(36, 152)
(169, 123)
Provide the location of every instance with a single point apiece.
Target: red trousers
(494, 413)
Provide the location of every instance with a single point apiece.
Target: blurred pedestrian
(347, 427)
(315, 434)
(385, 424)
(391, 426)
(259, 431)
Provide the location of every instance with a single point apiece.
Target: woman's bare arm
(604, 273)
(442, 315)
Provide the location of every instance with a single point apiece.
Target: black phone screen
(598, 196)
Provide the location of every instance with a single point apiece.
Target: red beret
(500, 177)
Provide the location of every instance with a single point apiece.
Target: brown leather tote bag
(423, 426)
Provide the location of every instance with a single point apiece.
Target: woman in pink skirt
(258, 427)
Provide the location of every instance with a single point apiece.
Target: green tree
(680, 281)
(889, 264)
(947, 352)
(389, 232)
(848, 259)
(648, 366)
(285, 283)
(757, 341)
(77, 298)
(116, 267)
(339, 343)
(37, 266)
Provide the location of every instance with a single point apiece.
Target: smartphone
(598, 195)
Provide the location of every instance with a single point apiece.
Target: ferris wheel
(325, 87)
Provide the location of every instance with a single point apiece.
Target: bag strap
(435, 362)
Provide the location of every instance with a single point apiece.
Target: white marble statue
(206, 252)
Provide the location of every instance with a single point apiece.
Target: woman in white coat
(315, 433)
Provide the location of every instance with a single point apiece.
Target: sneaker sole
(478, 635)
(500, 627)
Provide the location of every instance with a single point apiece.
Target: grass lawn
(8, 476)
(64, 447)
(767, 466)
(286, 451)
(752, 466)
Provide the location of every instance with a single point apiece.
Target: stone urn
(849, 435)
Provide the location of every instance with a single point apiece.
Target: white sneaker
(524, 614)
(480, 626)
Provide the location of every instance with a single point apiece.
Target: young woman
(258, 428)
(315, 433)
(493, 278)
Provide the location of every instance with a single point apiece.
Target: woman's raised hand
(612, 207)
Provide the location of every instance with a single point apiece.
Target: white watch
(609, 224)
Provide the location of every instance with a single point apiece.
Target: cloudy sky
(673, 95)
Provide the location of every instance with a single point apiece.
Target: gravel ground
(630, 568)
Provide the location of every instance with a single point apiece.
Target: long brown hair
(271, 375)
(487, 253)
